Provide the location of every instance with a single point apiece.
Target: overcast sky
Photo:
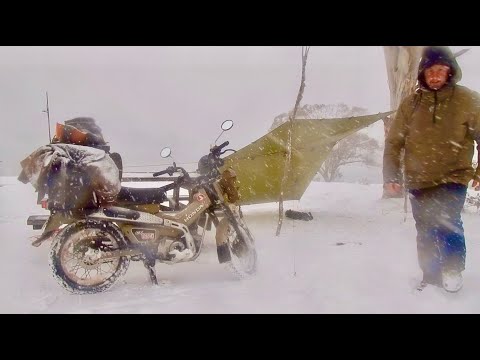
(145, 98)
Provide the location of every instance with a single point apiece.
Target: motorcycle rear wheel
(74, 257)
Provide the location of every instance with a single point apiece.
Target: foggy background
(145, 98)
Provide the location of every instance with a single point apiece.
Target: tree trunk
(402, 70)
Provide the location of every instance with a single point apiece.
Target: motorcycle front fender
(222, 232)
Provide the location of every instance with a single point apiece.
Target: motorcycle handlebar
(217, 149)
(168, 171)
(171, 170)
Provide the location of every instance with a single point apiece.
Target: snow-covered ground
(356, 256)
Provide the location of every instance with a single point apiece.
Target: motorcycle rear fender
(55, 221)
(52, 225)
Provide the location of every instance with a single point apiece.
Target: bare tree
(356, 148)
(402, 71)
(320, 111)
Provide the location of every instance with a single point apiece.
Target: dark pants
(440, 235)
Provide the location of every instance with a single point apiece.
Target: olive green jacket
(437, 130)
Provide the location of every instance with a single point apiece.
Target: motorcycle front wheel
(241, 244)
(75, 252)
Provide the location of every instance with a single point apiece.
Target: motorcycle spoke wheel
(79, 258)
(243, 261)
(75, 257)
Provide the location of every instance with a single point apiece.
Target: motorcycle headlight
(204, 165)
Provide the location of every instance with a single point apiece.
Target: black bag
(69, 187)
(297, 215)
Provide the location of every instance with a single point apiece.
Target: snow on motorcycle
(92, 249)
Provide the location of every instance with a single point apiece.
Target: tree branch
(286, 169)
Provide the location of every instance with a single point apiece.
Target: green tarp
(259, 166)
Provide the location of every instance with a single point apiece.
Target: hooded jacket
(436, 128)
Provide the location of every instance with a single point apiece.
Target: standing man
(436, 127)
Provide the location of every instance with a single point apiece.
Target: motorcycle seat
(118, 212)
(141, 196)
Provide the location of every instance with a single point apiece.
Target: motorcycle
(91, 252)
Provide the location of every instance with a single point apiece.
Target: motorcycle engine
(169, 244)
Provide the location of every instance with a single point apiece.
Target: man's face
(436, 76)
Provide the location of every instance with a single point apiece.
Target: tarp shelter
(260, 165)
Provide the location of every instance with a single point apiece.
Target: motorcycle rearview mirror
(226, 125)
(166, 152)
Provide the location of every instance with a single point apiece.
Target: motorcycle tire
(243, 261)
(73, 253)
